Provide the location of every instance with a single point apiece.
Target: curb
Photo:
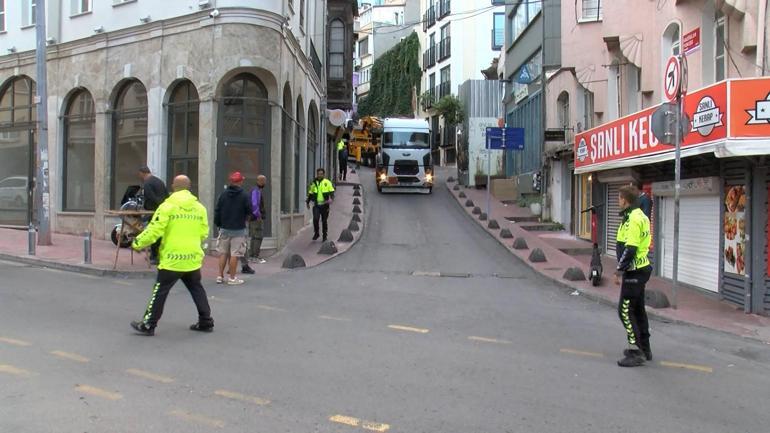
(79, 269)
(652, 313)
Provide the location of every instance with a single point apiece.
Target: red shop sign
(631, 136)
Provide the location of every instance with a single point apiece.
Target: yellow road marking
(9, 369)
(375, 426)
(339, 319)
(123, 283)
(347, 420)
(582, 353)
(198, 419)
(14, 341)
(426, 274)
(71, 356)
(701, 368)
(242, 397)
(409, 329)
(488, 340)
(98, 392)
(148, 375)
(269, 308)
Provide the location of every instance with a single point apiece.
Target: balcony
(429, 99)
(444, 8)
(429, 58)
(444, 89)
(444, 48)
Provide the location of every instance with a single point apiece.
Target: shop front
(723, 241)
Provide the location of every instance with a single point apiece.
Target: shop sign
(750, 106)
(767, 255)
(631, 136)
(688, 187)
(735, 229)
(691, 41)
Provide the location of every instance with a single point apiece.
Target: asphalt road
(371, 341)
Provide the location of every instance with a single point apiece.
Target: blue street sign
(524, 76)
(514, 138)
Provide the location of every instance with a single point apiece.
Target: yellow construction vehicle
(365, 140)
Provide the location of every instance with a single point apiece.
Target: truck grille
(406, 168)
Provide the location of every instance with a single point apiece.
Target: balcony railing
(429, 57)
(444, 48)
(429, 99)
(444, 8)
(429, 18)
(444, 89)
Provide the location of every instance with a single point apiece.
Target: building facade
(610, 84)
(202, 90)
(449, 61)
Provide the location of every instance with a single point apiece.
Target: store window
(79, 123)
(129, 142)
(17, 120)
(183, 133)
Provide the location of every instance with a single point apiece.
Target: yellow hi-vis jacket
(182, 222)
(633, 232)
(320, 191)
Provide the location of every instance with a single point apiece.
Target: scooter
(595, 271)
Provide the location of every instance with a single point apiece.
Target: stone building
(195, 87)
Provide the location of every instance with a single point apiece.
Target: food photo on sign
(735, 229)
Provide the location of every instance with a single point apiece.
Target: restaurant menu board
(735, 230)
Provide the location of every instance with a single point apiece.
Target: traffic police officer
(321, 193)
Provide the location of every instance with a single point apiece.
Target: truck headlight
(429, 178)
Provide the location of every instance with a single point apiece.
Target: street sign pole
(677, 179)
(42, 197)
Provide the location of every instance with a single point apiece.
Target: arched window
(299, 131)
(563, 105)
(245, 109)
(79, 139)
(129, 138)
(17, 152)
(337, 50)
(312, 143)
(286, 151)
(183, 133)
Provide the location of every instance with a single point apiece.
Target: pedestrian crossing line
(242, 397)
(426, 274)
(338, 319)
(14, 342)
(71, 356)
(409, 329)
(269, 308)
(701, 368)
(195, 418)
(98, 392)
(15, 371)
(355, 422)
(151, 376)
(582, 353)
(488, 340)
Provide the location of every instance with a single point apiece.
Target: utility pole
(42, 195)
(545, 208)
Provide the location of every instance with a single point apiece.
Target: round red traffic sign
(672, 78)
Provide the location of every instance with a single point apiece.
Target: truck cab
(404, 161)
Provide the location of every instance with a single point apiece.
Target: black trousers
(343, 168)
(321, 214)
(631, 307)
(166, 280)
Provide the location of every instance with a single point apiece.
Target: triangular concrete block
(293, 261)
(450, 179)
(356, 201)
(356, 218)
(477, 210)
(483, 216)
(492, 224)
(520, 244)
(356, 209)
(656, 299)
(353, 226)
(574, 274)
(328, 248)
(346, 236)
(469, 203)
(462, 195)
(506, 234)
(456, 187)
(357, 193)
(537, 256)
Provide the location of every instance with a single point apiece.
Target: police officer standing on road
(634, 268)
(181, 221)
(321, 193)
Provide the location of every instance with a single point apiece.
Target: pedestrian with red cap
(230, 216)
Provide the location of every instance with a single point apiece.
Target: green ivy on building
(394, 76)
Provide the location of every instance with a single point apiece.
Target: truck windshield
(402, 139)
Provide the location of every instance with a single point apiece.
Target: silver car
(13, 192)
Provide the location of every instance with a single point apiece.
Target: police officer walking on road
(342, 155)
(321, 194)
(181, 221)
(634, 268)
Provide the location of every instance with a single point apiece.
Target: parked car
(13, 192)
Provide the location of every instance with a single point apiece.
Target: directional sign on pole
(672, 78)
(505, 138)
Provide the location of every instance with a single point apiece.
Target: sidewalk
(66, 253)
(563, 251)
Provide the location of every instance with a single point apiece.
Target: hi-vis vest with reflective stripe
(634, 231)
(340, 145)
(318, 189)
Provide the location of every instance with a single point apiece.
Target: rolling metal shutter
(699, 235)
(613, 216)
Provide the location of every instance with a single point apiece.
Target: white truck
(404, 161)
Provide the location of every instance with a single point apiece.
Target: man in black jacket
(154, 192)
(230, 215)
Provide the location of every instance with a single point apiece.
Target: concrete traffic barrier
(456, 187)
(492, 224)
(656, 299)
(328, 248)
(353, 226)
(506, 234)
(520, 244)
(356, 187)
(469, 203)
(356, 209)
(462, 195)
(574, 274)
(293, 261)
(357, 193)
(477, 210)
(356, 218)
(483, 216)
(356, 201)
(537, 256)
(346, 236)
(450, 179)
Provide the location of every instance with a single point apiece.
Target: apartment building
(184, 86)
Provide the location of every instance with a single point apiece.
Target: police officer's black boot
(633, 358)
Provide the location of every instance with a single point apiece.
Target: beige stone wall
(159, 56)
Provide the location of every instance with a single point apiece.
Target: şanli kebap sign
(631, 137)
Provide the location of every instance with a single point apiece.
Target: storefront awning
(728, 119)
